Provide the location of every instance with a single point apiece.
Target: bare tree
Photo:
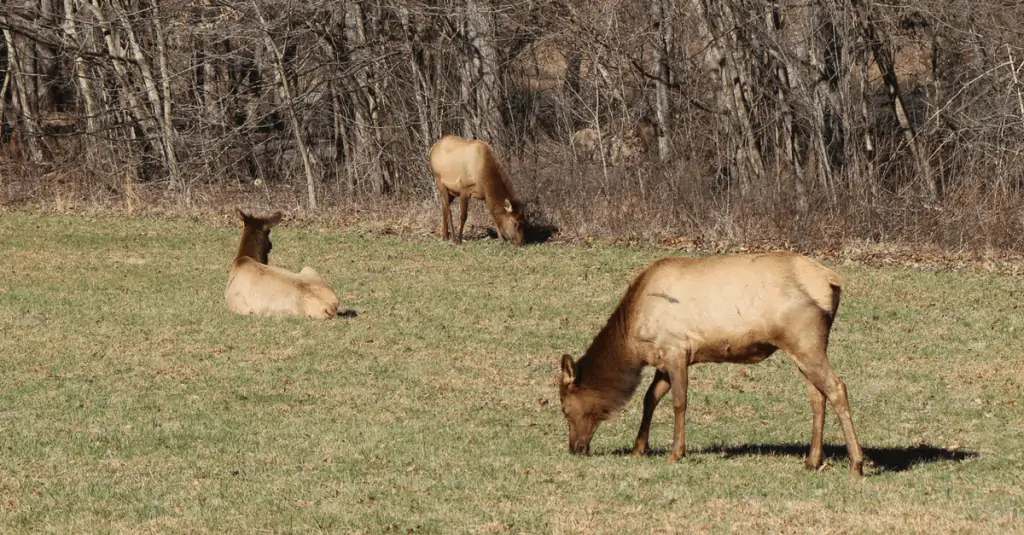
(482, 69)
(881, 49)
(363, 85)
(663, 58)
(286, 96)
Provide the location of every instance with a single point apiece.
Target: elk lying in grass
(262, 290)
(470, 169)
(680, 312)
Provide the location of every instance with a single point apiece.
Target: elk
(682, 311)
(259, 289)
(470, 169)
(624, 147)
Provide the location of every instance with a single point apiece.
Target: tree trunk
(791, 139)
(727, 61)
(145, 117)
(882, 52)
(81, 73)
(156, 103)
(571, 84)
(45, 61)
(869, 140)
(170, 134)
(421, 90)
(286, 97)
(366, 133)
(23, 93)
(662, 57)
(484, 61)
(6, 84)
(824, 57)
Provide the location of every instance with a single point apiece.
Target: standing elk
(470, 169)
(679, 312)
(259, 289)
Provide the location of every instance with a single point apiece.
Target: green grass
(131, 400)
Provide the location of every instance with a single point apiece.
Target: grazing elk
(470, 169)
(262, 290)
(624, 147)
(680, 312)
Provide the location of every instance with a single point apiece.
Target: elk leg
(659, 387)
(678, 376)
(809, 353)
(824, 379)
(840, 401)
(446, 211)
(813, 460)
(463, 213)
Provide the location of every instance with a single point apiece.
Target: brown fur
(586, 143)
(679, 312)
(263, 290)
(623, 147)
(470, 169)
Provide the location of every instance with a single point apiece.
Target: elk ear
(508, 206)
(272, 220)
(568, 370)
(241, 215)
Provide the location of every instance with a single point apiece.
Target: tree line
(852, 109)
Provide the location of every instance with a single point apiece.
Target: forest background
(804, 124)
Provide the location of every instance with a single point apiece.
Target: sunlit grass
(132, 401)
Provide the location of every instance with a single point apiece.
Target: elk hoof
(811, 465)
(674, 456)
(639, 450)
(857, 468)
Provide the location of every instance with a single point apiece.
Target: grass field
(132, 402)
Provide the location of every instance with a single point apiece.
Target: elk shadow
(533, 234)
(348, 313)
(884, 459)
(540, 233)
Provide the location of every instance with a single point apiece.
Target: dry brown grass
(572, 201)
